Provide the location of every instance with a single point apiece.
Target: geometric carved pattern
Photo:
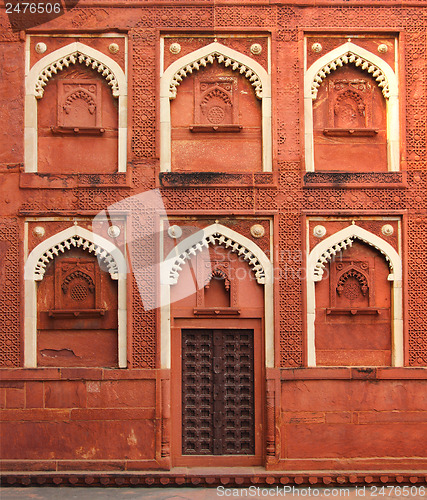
(203, 62)
(417, 291)
(74, 275)
(9, 294)
(77, 242)
(65, 62)
(358, 61)
(356, 178)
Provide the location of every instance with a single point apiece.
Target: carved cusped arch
(350, 53)
(325, 251)
(219, 274)
(216, 234)
(75, 275)
(84, 96)
(74, 237)
(75, 53)
(229, 62)
(358, 276)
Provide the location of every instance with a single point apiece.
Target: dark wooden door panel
(218, 392)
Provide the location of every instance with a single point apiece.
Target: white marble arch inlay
(212, 235)
(323, 253)
(72, 237)
(185, 65)
(350, 53)
(39, 75)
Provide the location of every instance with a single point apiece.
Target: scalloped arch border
(323, 253)
(187, 248)
(214, 235)
(370, 63)
(169, 80)
(47, 250)
(41, 72)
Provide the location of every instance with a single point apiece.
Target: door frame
(180, 460)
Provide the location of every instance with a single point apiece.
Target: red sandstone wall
(61, 419)
(352, 419)
(74, 419)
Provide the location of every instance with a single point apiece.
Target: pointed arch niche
(320, 258)
(351, 101)
(107, 74)
(239, 66)
(73, 238)
(244, 249)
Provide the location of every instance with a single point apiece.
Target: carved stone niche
(216, 105)
(218, 297)
(77, 289)
(352, 288)
(350, 104)
(79, 107)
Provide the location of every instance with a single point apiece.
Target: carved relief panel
(79, 104)
(219, 293)
(350, 285)
(350, 106)
(77, 288)
(226, 287)
(216, 104)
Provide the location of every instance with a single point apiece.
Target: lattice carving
(218, 239)
(76, 242)
(358, 61)
(290, 288)
(9, 293)
(209, 59)
(77, 274)
(143, 102)
(417, 290)
(75, 58)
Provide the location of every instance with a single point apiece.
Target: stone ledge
(212, 477)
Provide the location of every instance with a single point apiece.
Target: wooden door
(218, 414)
